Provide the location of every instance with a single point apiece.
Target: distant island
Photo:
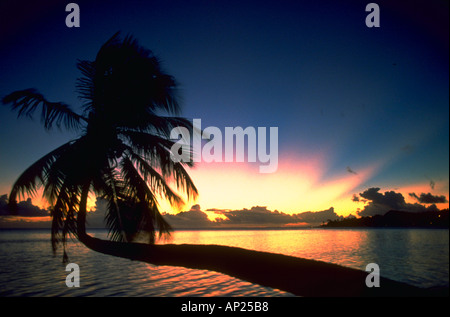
(395, 219)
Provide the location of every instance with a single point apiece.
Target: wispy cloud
(351, 171)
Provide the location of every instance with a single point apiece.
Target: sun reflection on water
(28, 267)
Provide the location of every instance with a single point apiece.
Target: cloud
(29, 215)
(380, 203)
(95, 218)
(256, 216)
(24, 209)
(193, 218)
(316, 217)
(429, 198)
(351, 171)
(26, 215)
(391, 198)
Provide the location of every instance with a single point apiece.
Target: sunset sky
(356, 107)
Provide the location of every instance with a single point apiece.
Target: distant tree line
(396, 218)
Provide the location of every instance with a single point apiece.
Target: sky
(362, 113)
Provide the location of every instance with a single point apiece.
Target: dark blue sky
(372, 99)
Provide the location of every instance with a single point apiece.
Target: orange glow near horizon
(298, 185)
(42, 203)
(440, 188)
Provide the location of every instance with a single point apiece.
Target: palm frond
(114, 220)
(145, 138)
(150, 146)
(155, 150)
(113, 189)
(85, 84)
(35, 175)
(77, 165)
(160, 222)
(53, 113)
(156, 181)
(126, 75)
(163, 125)
(141, 201)
(184, 181)
(135, 186)
(63, 216)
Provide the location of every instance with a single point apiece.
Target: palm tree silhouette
(123, 155)
(123, 151)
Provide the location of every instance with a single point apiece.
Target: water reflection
(28, 267)
(416, 256)
(337, 246)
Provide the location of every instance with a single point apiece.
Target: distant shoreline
(396, 219)
(254, 229)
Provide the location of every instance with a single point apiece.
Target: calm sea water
(28, 267)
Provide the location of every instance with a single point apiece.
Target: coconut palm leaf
(141, 200)
(124, 73)
(184, 181)
(156, 181)
(85, 86)
(53, 113)
(135, 186)
(63, 216)
(110, 189)
(155, 150)
(36, 175)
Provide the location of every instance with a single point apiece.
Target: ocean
(28, 267)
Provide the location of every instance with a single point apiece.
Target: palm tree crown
(122, 153)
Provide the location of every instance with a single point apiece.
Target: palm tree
(122, 154)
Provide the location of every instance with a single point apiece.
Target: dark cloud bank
(23, 215)
(248, 218)
(380, 203)
(24, 208)
(429, 198)
(376, 203)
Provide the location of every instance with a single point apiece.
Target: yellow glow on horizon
(24, 219)
(42, 203)
(299, 185)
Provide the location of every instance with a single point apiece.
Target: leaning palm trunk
(298, 276)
